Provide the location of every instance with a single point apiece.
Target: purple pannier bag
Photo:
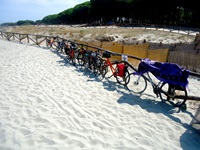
(166, 72)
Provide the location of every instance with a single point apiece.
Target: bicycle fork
(154, 86)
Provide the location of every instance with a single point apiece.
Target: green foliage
(172, 12)
(9, 24)
(38, 21)
(25, 22)
(81, 12)
(51, 19)
(65, 16)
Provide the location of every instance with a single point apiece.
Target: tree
(65, 17)
(81, 13)
(172, 12)
(25, 22)
(51, 19)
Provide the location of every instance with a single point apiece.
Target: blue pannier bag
(167, 72)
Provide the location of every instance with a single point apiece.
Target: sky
(15, 10)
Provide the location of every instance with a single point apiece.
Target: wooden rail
(39, 39)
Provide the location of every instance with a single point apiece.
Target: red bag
(121, 70)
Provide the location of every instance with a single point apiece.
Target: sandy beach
(48, 104)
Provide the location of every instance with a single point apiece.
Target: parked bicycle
(72, 52)
(52, 43)
(172, 81)
(62, 46)
(88, 59)
(118, 69)
(95, 62)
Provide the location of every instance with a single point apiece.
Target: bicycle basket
(106, 55)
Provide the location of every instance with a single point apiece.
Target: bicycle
(119, 69)
(62, 46)
(89, 60)
(95, 62)
(52, 43)
(72, 51)
(166, 89)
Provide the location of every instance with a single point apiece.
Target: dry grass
(183, 54)
(126, 35)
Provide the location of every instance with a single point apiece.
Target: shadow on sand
(189, 140)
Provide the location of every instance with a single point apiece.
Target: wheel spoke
(136, 83)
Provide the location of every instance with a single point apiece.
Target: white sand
(48, 104)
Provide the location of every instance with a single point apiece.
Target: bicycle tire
(178, 95)
(86, 62)
(72, 57)
(103, 69)
(136, 83)
(123, 80)
(74, 61)
(80, 58)
(96, 67)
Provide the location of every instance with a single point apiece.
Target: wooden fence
(139, 50)
(135, 53)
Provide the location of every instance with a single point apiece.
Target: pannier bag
(121, 70)
(166, 72)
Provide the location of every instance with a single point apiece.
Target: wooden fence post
(28, 38)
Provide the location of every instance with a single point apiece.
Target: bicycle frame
(148, 78)
(113, 69)
(154, 86)
(165, 91)
(71, 53)
(50, 43)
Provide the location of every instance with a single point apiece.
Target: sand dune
(48, 104)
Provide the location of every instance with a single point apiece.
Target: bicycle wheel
(85, 62)
(72, 58)
(136, 83)
(103, 69)
(177, 94)
(96, 66)
(80, 58)
(163, 90)
(123, 80)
